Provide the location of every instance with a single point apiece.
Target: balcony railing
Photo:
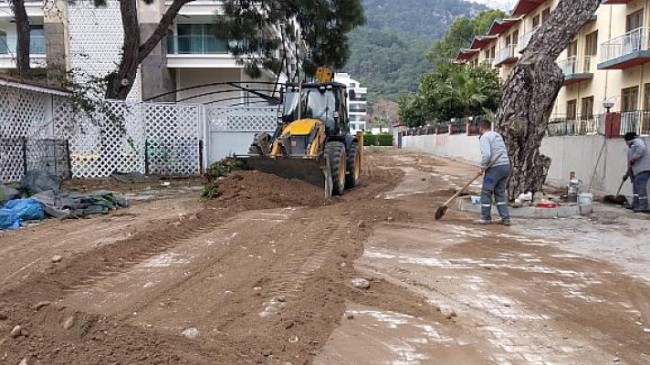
(505, 54)
(575, 126)
(357, 110)
(630, 42)
(576, 65)
(525, 39)
(196, 44)
(36, 45)
(637, 121)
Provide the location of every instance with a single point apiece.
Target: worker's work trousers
(640, 191)
(494, 185)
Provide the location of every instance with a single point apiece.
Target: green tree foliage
(323, 26)
(388, 54)
(452, 91)
(387, 62)
(460, 35)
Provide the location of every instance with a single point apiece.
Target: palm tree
(467, 91)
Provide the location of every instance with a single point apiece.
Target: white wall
(570, 153)
(224, 144)
(457, 147)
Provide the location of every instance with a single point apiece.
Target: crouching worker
(493, 150)
(638, 170)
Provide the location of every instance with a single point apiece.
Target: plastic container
(585, 198)
(476, 200)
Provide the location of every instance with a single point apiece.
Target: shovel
(440, 212)
(618, 198)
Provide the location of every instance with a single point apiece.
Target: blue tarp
(27, 209)
(9, 219)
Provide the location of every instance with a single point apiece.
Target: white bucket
(476, 200)
(585, 198)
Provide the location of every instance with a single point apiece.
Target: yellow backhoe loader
(312, 141)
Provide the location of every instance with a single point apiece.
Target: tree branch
(161, 30)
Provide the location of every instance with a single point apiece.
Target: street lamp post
(608, 104)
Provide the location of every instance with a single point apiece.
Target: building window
(572, 49)
(591, 44)
(646, 97)
(3, 43)
(571, 109)
(630, 99)
(634, 21)
(353, 85)
(515, 36)
(546, 13)
(199, 39)
(587, 107)
(536, 21)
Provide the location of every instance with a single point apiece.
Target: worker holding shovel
(638, 170)
(495, 163)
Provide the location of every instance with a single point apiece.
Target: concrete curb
(562, 211)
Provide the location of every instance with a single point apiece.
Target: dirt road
(262, 276)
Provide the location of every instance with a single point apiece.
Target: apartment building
(357, 101)
(607, 63)
(190, 65)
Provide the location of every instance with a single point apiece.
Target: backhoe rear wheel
(354, 166)
(338, 161)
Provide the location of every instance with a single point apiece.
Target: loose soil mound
(256, 190)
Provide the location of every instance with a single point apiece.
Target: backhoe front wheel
(337, 158)
(354, 166)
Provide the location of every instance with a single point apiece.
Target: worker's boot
(642, 205)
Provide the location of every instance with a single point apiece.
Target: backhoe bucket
(311, 170)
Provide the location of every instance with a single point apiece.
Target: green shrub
(210, 190)
(378, 139)
(221, 169)
(225, 167)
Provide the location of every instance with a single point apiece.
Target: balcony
(8, 51)
(637, 121)
(628, 50)
(575, 126)
(576, 69)
(525, 39)
(199, 51)
(506, 56)
(196, 44)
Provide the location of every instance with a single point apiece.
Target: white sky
(506, 5)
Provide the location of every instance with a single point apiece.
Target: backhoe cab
(312, 141)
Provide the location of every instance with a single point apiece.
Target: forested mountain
(388, 54)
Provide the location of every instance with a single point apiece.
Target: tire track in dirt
(31, 248)
(306, 269)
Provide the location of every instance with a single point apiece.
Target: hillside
(388, 54)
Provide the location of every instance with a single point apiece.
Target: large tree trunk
(121, 81)
(22, 31)
(531, 89)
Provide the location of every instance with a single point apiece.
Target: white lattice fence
(127, 137)
(260, 119)
(23, 120)
(110, 140)
(173, 132)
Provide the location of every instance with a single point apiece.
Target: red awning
(524, 7)
(500, 26)
(480, 42)
(466, 54)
